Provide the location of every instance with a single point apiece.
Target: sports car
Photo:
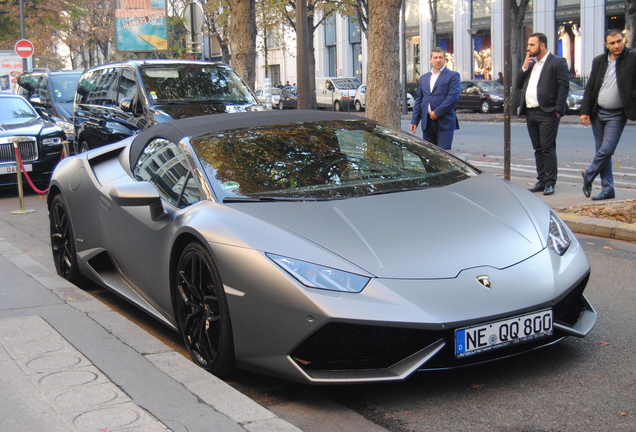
(318, 247)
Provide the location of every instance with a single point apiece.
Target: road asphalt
(70, 363)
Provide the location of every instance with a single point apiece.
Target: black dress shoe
(603, 196)
(587, 186)
(549, 190)
(539, 187)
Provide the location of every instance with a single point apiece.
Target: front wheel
(83, 147)
(336, 106)
(358, 106)
(63, 241)
(202, 311)
(486, 107)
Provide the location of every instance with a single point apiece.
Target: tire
(202, 311)
(336, 106)
(281, 106)
(358, 106)
(83, 147)
(485, 106)
(63, 241)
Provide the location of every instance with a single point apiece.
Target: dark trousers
(542, 128)
(441, 138)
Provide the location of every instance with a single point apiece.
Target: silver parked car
(318, 247)
(360, 99)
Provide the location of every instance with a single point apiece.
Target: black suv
(52, 94)
(115, 101)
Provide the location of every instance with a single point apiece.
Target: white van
(336, 93)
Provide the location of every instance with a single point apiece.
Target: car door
(472, 96)
(140, 241)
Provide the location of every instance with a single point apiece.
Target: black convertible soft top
(194, 126)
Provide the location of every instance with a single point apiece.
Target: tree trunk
(242, 38)
(517, 49)
(383, 72)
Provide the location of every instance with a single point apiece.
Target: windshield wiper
(268, 199)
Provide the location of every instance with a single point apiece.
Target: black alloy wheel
(62, 241)
(202, 311)
(83, 148)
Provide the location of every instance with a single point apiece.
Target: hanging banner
(140, 25)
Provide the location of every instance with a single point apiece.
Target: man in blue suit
(435, 102)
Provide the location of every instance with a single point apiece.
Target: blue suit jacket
(443, 99)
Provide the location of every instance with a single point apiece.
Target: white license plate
(499, 334)
(11, 169)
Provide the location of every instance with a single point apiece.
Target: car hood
(432, 233)
(179, 111)
(30, 127)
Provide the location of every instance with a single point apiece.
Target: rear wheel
(63, 241)
(202, 311)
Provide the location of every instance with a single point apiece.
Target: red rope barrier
(26, 174)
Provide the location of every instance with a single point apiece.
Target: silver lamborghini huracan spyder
(318, 247)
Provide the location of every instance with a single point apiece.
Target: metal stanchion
(18, 170)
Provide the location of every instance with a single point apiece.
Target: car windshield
(346, 83)
(64, 86)
(490, 85)
(15, 108)
(194, 83)
(323, 160)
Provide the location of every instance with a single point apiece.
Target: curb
(599, 227)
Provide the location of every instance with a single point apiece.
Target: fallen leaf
(607, 247)
(623, 414)
(476, 386)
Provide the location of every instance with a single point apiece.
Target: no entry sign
(24, 48)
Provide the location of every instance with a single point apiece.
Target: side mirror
(35, 100)
(126, 105)
(138, 195)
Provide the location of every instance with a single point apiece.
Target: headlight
(558, 239)
(316, 276)
(496, 98)
(52, 141)
(66, 127)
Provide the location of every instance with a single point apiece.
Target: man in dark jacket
(545, 83)
(609, 100)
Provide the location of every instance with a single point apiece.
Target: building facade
(471, 32)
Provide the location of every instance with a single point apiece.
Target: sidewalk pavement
(70, 363)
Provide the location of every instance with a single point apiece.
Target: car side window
(43, 90)
(163, 164)
(127, 85)
(104, 88)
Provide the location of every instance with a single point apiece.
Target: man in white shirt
(435, 103)
(544, 81)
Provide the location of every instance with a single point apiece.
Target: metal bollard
(18, 170)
